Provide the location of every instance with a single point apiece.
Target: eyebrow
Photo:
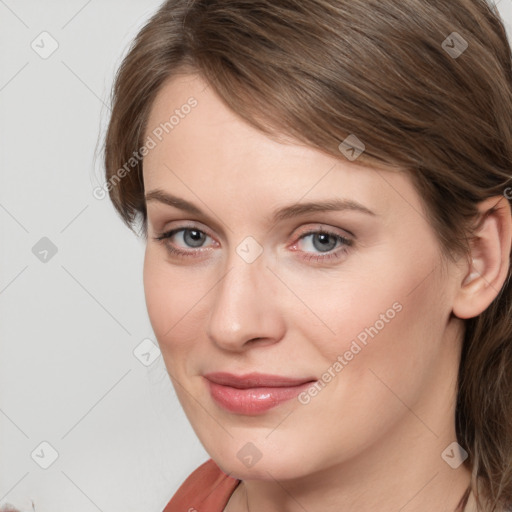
(280, 214)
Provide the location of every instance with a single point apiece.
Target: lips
(253, 393)
(255, 380)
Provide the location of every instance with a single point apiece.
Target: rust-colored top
(206, 489)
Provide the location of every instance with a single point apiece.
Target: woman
(324, 189)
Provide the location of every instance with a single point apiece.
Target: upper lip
(253, 380)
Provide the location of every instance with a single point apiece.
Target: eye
(321, 240)
(324, 241)
(191, 237)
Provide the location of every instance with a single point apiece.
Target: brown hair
(385, 71)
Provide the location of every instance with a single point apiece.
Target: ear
(490, 259)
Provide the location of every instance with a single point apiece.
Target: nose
(245, 306)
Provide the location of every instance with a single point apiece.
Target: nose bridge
(244, 305)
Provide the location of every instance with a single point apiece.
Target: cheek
(390, 321)
(156, 292)
(165, 296)
(374, 364)
(175, 298)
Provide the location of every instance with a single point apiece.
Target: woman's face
(365, 310)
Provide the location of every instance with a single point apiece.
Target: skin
(372, 438)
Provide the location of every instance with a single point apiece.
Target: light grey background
(70, 324)
(68, 327)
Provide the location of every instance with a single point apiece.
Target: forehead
(203, 146)
(188, 113)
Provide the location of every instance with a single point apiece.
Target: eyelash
(347, 243)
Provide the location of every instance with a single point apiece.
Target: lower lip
(253, 401)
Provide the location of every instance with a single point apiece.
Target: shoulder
(206, 488)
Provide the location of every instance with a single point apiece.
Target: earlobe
(490, 259)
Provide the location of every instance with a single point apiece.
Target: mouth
(253, 393)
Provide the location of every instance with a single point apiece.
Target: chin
(272, 467)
